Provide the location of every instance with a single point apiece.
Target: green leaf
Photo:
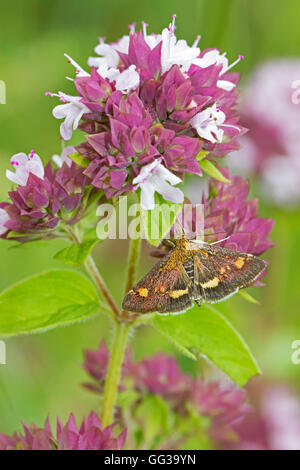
(156, 223)
(48, 300)
(126, 398)
(79, 159)
(75, 255)
(201, 155)
(208, 167)
(206, 331)
(155, 414)
(245, 294)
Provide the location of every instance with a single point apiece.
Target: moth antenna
(219, 241)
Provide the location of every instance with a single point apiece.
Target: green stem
(119, 343)
(91, 267)
(133, 258)
(93, 271)
(114, 373)
(122, 326)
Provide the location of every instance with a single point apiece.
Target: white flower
(71, 112)
(4, 217)
(176, 52)
(59, 160)
(80, 72)
(207, 124)
(226, 85)
(215, 57)
(107, 65)
(154, 177)
(153, 39)
(109, 52)
(126, 81)
(106, 72)
(123, 44)
(110, 57)
(25, 164)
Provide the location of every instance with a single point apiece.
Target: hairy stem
(122, 322)
(91, 267)
(133, 258)
(114, 373)
(119, 342)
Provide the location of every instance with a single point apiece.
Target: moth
(193, 271)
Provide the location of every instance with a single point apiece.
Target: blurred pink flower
(89, 436)
(270, 110)
(274, 423)
(160, 375)
(229, 213)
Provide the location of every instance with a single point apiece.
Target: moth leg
(198, 302)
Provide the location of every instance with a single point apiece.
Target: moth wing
(220, 272)
(161, 290)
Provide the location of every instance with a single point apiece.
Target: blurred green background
(43, 372)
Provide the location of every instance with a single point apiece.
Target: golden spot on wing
(210, 284)
(239, 262)
(143, 292)
(222, 270)
(175, 294)
(162, 289)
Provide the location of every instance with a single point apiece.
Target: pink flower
(151, 98)
(225, 404)
(42, 198)
(229, 216)
(228, 213)
(95, 364)
(214, 57)
(89, 436)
